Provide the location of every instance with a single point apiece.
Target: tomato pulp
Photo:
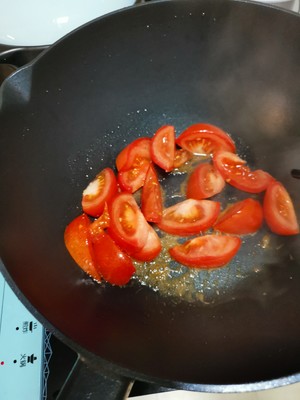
(235, 172)
(209, 251)
(98, 192)
(279, 210)
(205, 139)
(79, 244)
(241, 218)
(189, 217)
(204, 182)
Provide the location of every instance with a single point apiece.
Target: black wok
(68, 114)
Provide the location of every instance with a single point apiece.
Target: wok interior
(69, 114)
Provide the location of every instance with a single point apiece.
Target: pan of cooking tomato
(149, 201)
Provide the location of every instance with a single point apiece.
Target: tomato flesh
(205, 139)
(139, 147)
(210, 251)
(78, 243)
(98, 192)
(112, 263)
(181, 157)
(133, 179)
(133, 165)
(204, 182)
(189, 217)
(163, 148)
(151, 200)
(279, 210)
(128, 226)
(241, 218)
(235, 172)
(151, 249)
(102, 222)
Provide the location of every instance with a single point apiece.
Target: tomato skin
(163, 147)
(204, 182)
(151, 249)
(209, 251)
(112, 263)
(279, 210)
(151, 200)
(205, 139)
(189, 217)
(122, 158)
(235, 172)
(98, 192)
(241, 218)
(78, 243)
(126, 157)
(128, 226)
(133, 165)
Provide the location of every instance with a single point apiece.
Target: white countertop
(291, 392)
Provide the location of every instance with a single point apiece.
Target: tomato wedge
(204, 182)
(99, 191)
(279, 210)
(112, 263)
(189, 217)
(128, 226)
(78, 242)
(205, 139)
(181, 157)
(163, 147)
(151, 200)
(235, 172)
(241, 218)
(151, 249)
(210, 251)
(100, 223)
(133, 165)
(126, 157)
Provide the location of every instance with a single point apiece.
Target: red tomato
(113, 264)
(210, 251)
(163, 147)
(204, 182)
(133, 179)
(132, 175)
(240, 218)
(151, 200)
(189, 217)
(279, 210)
(205, 139)
(235, 172)
(99, 191)
(128, 226)
(78, 242)
(101, 222)
(126, 157)
(151, 249)
(181, 157)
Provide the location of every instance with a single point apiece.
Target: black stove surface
(61, 362)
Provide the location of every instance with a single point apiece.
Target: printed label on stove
(21, 349)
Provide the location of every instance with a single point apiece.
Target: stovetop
(24, 350)
(40, 363)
